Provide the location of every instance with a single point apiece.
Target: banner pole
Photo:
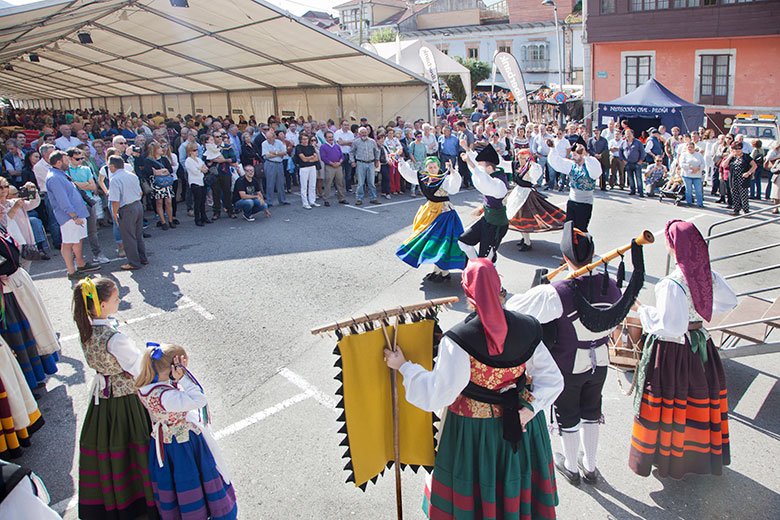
(396, 427)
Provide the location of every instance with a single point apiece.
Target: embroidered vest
(570, 334)
(492, 202)
(166, 425)
(118, 382)
(579, 178)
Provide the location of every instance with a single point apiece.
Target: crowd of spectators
(219, 167)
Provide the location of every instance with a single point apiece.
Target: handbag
(211, 177)
(162, 181)
(89, 201)
(30, 252)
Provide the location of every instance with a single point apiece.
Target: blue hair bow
(157, 353)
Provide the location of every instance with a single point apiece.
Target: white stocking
(471, 251)
(526, 238)
(589, 433)
(570, 442)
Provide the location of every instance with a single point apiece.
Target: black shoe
(445, 277)
(327, 204)
(88, 267)
(45, 255)
(172, 224)
(524, 247)
(165, 227)
(175, 221)
(590, 477)
(285, 203)
(159, 224)
(432, 277)
(572, 476)
(208, 221)
(641, 195)
(344, 202)
(147, 235)
(199, 224)
(215, 216)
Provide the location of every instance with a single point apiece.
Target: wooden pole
(644, 238)
(384, 314)
(396, 426)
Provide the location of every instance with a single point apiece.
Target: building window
(504, 46)
(687, 3)
(535, 57)
(647, 5)
(637, 70)
(472, 51)
(715, 78)
(607, 6)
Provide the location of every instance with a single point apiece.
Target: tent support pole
(229, 104)
(430, 104)
(192, 103)
(340, 102)
(141, 104)
(121, 105)
(276, 104)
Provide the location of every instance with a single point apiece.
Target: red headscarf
(483, 288)
(693, 259)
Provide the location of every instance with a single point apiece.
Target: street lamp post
(551, 3)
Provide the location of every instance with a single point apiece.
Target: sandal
(129, 267)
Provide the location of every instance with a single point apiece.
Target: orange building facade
(698, 53)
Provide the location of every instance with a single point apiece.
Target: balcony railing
(535, 65)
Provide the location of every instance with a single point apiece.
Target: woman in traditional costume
(114, 443)
(24, 322)
(494, 458)
(681, 405)
(19, 414)
(528, 210)
(437, 226)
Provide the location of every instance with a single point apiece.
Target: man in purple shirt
(71, 213)
(333, 158)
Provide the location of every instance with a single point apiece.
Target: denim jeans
(691, 184)
(54, 227)
(117, 233)
(38, 232)
(755, 184)
(365, 175)
(635, 179)
(542, 161)
(348, 172)
(250, 206)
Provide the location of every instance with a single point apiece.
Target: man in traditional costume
(494, 457)
(493, 182)
(584, 171)
(528, 210)
(437, 227)
(681, 403)
(578, 314)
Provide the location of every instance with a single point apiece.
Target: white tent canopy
(407, 54)
(215, 56)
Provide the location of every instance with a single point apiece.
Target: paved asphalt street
(241, 297)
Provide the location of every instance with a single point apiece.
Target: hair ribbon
(156, 354)
(89, 291)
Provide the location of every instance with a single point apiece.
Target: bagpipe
(380, 428)
(625, 338)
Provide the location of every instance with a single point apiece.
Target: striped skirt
(478, 475)
(189, 486)
(13, 437)
(537, 215)
(113, 464)
(16, 331)
(682, 425)
(434, 239)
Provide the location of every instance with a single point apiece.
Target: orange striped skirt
(682, 425)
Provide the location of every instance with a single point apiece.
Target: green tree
(385, 35)
(480, 70)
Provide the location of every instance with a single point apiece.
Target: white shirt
(482, 180)
(592, 165)
(292, 137)
(451, 183)
(194, 174)
(616, 144)
(668, 319)
(346, 138)
(436, 389)
(430, 142)
(63, 143)
(688, 161)
(41, 170)
(123, 349)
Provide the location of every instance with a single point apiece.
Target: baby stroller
(677, 193)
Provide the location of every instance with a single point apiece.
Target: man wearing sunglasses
(82, 177)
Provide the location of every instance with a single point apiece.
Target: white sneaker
(248, 219)
(307, 207)
(101, 259)
(315, 204)
(387, 196)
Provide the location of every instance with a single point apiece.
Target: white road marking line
(66, 505)
(262, 414)
(319, 396)
(758, 391)
(188, 305)
(362, 209)
(57, 271)
(206, 315)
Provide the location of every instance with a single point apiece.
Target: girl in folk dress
(188, 473)
(113, 474)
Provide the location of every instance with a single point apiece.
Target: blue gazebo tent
(652, 104)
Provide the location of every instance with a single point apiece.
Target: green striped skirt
(114, 460)
(478, 475)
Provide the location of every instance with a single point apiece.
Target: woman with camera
(14, 205)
